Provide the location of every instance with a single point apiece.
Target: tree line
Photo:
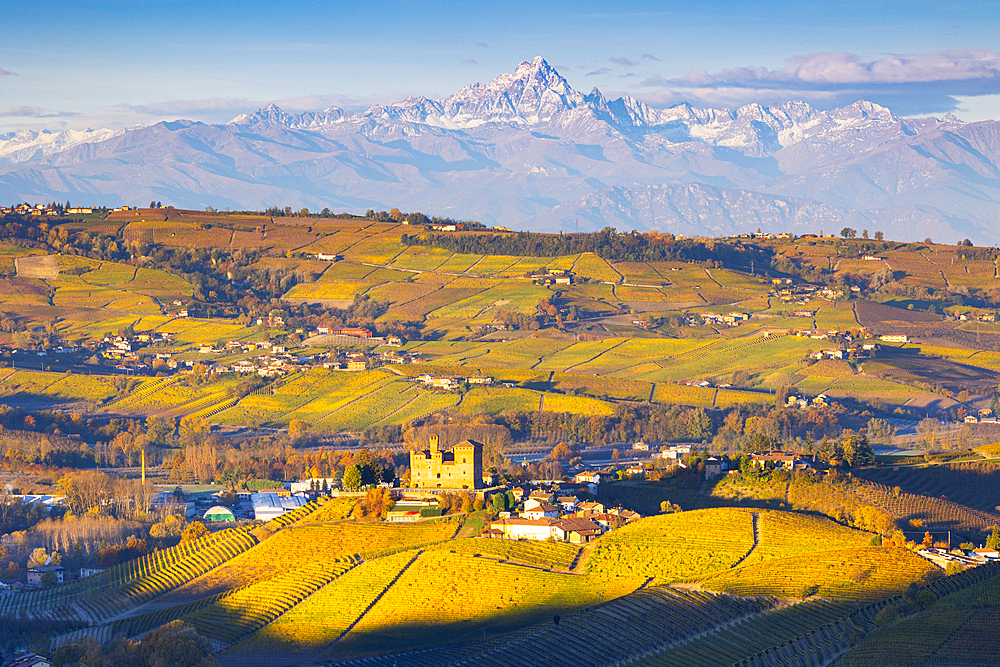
(608, 244)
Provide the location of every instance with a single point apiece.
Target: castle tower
(461, 467)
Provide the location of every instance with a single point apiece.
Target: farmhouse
(786, 461)
(441, 381)
(30, 660)
(715, 467)
(590, 477)
(459, 468)
(537, 510)
(35, 574)
(524, 529)
(577, 530)
(568, 503)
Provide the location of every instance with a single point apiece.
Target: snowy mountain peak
(26, 145)
(272, 113)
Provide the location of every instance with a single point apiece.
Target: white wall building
(267, 506)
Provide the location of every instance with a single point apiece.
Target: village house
(576, 530)
(635, 471)
(781, 459)
(628, 515)
(35, 574)
(534, 509)
(523, 529)
(589, 477)
(589, 506)
(441, 381)
(568, 503)
(716, 466)
(542, 496)
(30, 660)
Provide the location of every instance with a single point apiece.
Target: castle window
(463, 460)
(439, 476)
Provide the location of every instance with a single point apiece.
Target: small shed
(219, 513)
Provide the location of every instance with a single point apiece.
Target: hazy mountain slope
(527, 150)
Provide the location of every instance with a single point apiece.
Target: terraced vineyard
(675, 546)
(551, 555)
(322, 618)
(957, 629)
(972, 484)
(289, 548)
(248, 609)
(125, 586)
(936, 513)
(444, 596)
(855, 574)
(747, 638)
(654, 617)
(785, 534)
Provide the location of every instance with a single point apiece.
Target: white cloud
(906, 83)
(32, 112)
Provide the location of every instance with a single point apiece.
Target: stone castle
(461, 467)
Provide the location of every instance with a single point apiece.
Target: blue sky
(113, 63)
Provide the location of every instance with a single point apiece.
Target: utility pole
(145, 495)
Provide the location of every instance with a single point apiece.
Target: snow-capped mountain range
(528, 151)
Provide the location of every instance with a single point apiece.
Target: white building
(524, 529)
(267, 506)
(316, 483)
(537, 509)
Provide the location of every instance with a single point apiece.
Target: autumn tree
(352, 478)
(298, 431)
(193, 431)
(857, 451)
(993, 541)
(194, 531)
(561, 452)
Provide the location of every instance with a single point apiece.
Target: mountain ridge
(527, 150)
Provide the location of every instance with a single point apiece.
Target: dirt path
(581, 558)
